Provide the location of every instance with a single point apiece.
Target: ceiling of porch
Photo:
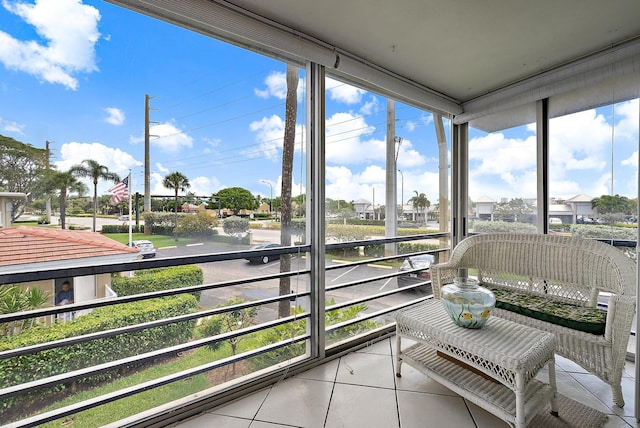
(468, 56)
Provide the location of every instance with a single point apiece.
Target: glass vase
(468, 303)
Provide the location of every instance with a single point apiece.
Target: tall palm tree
(94, 170)
(64, 182)
(288, 148)
(178, 182)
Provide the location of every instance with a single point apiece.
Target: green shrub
(479, 226)
(235, 226)
(298, 328)
(161, 223)
(76, 211)
(597, 231)
(67, 359)
(410, 247)
(122, 228)
(200, 225)
(148, 280)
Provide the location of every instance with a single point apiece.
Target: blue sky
(76, 74)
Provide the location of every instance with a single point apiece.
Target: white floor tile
(361, 390)
(419, 410)
(212, 420)
(297, 402)
(358, 406)
(246, 407)
(367, 370)
(382, 347)
(326, 372)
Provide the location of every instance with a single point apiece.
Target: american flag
(120, 192)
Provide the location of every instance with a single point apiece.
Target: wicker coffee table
(494, 367)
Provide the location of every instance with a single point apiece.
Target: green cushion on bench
(589, 320)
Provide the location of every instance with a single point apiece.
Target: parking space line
(349, 271)
(385, 284)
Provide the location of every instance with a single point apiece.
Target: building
(23, 248)
(6, 206)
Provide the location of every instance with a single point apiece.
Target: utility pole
(147, 170)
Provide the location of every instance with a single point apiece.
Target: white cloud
(9, 126)
(344, 143)
(408, 157)
(276, 86)
(68, 30)
(115, 116)
(342, 184)
(579, 156)
(343, 92)
(269, 136)
(115, 160)
(200, 186)
(167, 137)
(203, 186)
(370, 107)
(161, 168)
(627, 114)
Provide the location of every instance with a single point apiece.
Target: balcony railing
(302, 326)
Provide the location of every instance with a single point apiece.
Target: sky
(76, 73)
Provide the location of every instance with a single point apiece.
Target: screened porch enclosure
(449, 140)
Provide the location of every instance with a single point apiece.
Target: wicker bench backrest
(558, 259)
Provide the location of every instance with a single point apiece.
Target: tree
(516, 209)
(608, 204)
(21, 168)
(236, 320)
(237, 199)
(177, 182)
(288, 148)
(64, 183)
(420, 203)
(92, 169)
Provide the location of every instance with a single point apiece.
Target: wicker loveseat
(552, 282)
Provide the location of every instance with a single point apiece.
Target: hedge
(148, 280)
(403, 248)
(122, 228)
(51, 362)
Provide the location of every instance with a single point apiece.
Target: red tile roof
(24, 244)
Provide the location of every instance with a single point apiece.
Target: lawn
(159, 241)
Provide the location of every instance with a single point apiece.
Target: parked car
(423, 261)
(147, 250)
(265, 258)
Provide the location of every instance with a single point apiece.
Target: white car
(147, 250)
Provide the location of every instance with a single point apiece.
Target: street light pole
(270, 195)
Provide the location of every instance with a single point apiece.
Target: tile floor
(361, 390)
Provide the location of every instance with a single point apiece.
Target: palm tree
(178, 182)
(420, 203)
(64, 182)
(94, 170)
(288, 148)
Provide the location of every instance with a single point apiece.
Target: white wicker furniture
(560, 269)
(508, 352)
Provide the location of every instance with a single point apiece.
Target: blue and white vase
(468, 304)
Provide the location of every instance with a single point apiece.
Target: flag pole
(130, 204)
